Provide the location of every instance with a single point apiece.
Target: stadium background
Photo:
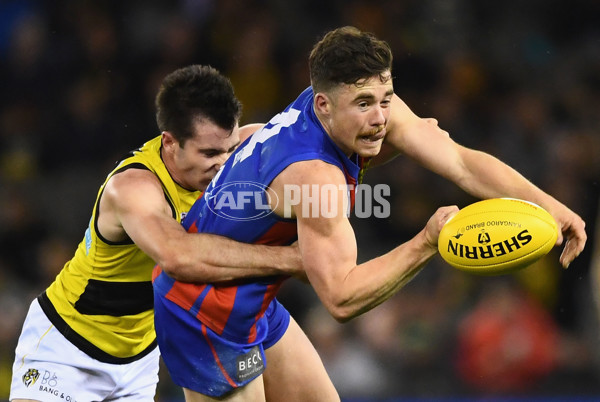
(520, 79)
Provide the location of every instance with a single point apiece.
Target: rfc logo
(30, 377)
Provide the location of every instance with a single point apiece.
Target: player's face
(195, 164)
(357, 115)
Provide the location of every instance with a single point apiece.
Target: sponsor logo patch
(47, 382)
(250, 365)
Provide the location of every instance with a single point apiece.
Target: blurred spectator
(507, 343)
(354, 369)
(21, 233)
(253, 70)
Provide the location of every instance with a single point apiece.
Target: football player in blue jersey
(246, 345)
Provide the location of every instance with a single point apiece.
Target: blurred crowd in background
(519, 79)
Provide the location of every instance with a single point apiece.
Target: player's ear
(322, 103)
(168, 140)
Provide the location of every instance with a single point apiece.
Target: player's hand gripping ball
(497, 236)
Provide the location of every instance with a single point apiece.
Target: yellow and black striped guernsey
(102, 300)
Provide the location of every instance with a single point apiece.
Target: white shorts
(49, 368)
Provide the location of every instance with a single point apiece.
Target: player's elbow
(183, 269)
(171, 268)
(341, 317)
(342, 314)
(341, 310)
(174, 265)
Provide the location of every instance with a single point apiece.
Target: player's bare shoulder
(128, 192)
(300, 177)
(132, 183)
(314, 171)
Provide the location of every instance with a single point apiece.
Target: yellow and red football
(497, 236)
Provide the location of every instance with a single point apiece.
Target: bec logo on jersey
(250, 364)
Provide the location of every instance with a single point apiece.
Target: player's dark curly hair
(195, 92)
(347, 55)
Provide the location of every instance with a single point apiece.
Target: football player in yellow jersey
(90, 335)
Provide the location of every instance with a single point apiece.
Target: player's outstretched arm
(478, 173)
(328, 244)
(485, 176)
(134, 205)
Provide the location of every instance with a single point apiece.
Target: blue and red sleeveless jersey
(235, 205)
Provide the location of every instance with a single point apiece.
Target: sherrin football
(497, 236)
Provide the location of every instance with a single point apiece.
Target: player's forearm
(488, 177)
(373, 282)
(216, 258)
